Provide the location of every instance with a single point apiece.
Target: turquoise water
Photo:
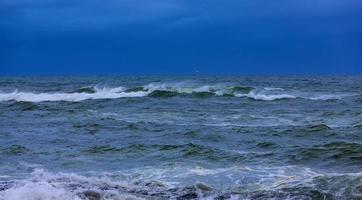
(198, 137)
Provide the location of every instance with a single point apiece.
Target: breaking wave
(288, 182)
(266, 97)
(167, 90)
(104, 93)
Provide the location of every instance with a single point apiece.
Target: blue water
(201, 137)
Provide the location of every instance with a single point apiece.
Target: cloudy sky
(180, 37)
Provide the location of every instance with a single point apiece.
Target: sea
(180, 137)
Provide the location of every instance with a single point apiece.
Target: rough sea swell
(180, 138)
(167, 90)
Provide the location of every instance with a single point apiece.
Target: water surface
(198, 137)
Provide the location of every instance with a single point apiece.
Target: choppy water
(180, 138)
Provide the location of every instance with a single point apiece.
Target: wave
(60, 186)
(104, 93)
(317, 127)
(184, 151)
(89, 90)
(162, 93)
(164, 90)
(284, 182)
(331, 155)
(266, 97)
(329, 96)
(16, 150)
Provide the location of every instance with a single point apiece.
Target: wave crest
(272, 182)
(162, 90)
(97, 93)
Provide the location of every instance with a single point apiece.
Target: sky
(116, 37)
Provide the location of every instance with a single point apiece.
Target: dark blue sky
(180, 37)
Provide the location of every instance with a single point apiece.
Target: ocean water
(196, 137)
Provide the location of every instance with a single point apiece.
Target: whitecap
(264, 94)
(37, 191)
(58, 186)
(266, 97)
(327, 97)
(43, 185)
(101, 93)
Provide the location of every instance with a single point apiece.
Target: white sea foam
(181, 87)
(249, 177)
(273, 89)
(112, 93)
(37, 191)
(266, 97)
(328, 97)
(264, 94)
(43, 185)
(271, 95)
